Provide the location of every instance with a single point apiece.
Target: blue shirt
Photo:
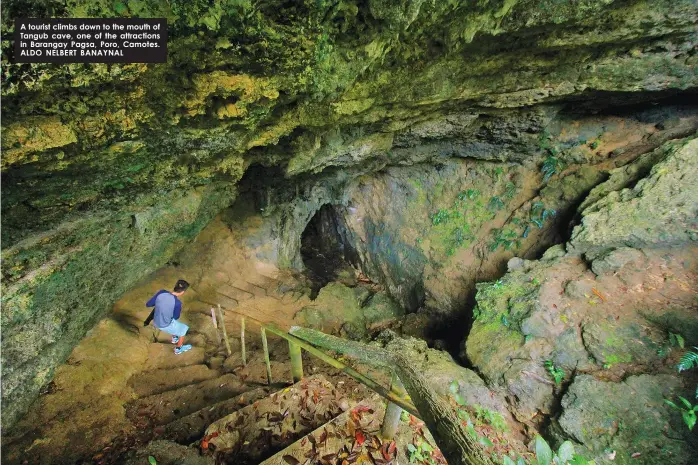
(167, 308)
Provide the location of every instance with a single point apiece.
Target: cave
(493, 206)
(324, 249)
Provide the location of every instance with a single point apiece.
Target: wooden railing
(416, 395)
(396, 395)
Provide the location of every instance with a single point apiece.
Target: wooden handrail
(388, 394)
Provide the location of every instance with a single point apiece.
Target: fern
(551, 165)
(688, 361)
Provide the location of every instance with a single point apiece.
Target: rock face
(108, 170)
(659, 210)
(597, 414)
(589, 344)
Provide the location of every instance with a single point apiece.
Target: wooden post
(242, 341)
(391, 419)
(215, 326)
(448, 430)
(294, 351)
(406, 404)
(266, 354)
(225, 333)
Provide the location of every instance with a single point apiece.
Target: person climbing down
(166, 314)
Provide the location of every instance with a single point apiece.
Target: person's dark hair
(181, 285)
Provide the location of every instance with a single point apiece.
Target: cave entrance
(325, 251)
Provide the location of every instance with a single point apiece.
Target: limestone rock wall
(582, 338)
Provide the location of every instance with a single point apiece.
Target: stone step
(228, 301)
(354, 437)
(167, 453)
(153, 382)
(192, 427)
(331, 437)
(234, 293)
(259, 430)
(163, 408)
(162, 356)
(248, 287)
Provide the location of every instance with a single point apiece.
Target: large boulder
(628, 422)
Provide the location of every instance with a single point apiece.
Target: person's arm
(177, 309)
(151, 302)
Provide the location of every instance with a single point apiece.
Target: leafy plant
(565, 454)
(421, 451)
(454, 387)
(551, 165)
(688, 411)
(688, 360)
(470, 194)
(496, 203)
(505, 239)
(439, 217)
(557, 373)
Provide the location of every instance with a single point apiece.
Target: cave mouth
(325, 250)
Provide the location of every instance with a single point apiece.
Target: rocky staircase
(194, 412)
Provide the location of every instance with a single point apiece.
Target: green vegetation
(538, 214)
(455, 227)
(504, 237)
(421, 451)
(551, 165)
(688, 411)
(495, 203)
(565, 454)
(676, 340)
(557, 373)
(688, 360)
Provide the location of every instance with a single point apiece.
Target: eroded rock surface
(589, 344)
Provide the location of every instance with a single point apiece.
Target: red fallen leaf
(360, 437)
(635, 455)
(204, 443)
(392, 447)
(290, 460)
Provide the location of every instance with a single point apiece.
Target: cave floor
(123, 385)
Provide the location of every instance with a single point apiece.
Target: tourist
(166, 314)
